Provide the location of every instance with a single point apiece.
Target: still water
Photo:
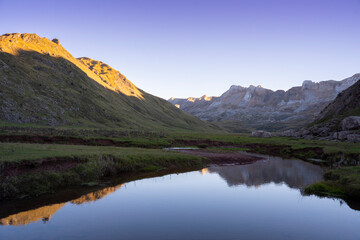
(262, 200)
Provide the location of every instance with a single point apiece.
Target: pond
(262, 200)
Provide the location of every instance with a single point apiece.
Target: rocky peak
(205, 98)
(235, 88)
(346, 83)
(254, 87)
(57, 41)
(307, 84)
(24, 36)
(15, 43)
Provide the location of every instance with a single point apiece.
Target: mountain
(347, 103)
(339, 120)
(255, 107)
(42, 83)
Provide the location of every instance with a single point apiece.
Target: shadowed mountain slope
(340, 120)
(347, 103)
(42, 83)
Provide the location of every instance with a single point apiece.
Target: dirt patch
(10, 169)
(222, 158)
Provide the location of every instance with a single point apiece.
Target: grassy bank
(120, 151)
(28, 170)
(280, 146)
(10, 152)
(340, 183)
(161, 139)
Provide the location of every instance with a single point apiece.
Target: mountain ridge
(255, 107)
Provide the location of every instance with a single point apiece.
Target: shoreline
(93, 159)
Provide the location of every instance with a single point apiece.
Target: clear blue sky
(187, 48)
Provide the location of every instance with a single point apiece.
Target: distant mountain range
(42, 83)
(245, 109)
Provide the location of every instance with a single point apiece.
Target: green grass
(98, 162)
(93, 165)
(242, 139)
(11, 152)
(227, 149)
(324, 189)
(343, 182)
(166, 139)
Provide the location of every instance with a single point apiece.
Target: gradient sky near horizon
(194, 47)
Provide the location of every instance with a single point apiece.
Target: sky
(183, 48)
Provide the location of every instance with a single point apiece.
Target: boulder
(350, 123)
(355, 138)
(261, 133)
(320, 131)
(309, 137)
(341, 135)
(57, 41)
(304, 132)
(288, 133)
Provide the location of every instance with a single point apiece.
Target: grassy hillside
(42, 83)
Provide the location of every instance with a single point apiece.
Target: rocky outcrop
(350, 123)
(260, 133)
(335, 130)
(256, 106)
(57, 41)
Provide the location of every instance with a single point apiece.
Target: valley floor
(35, 161)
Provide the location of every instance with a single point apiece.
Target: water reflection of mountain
(22, 212)
(45, 213)
(295, 173)
(93, 196)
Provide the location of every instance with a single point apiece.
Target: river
(262, 200)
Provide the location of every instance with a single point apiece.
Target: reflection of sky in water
(198, 206)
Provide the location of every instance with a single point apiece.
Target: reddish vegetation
(222, 158)
(270, 149)
(96, 141)
(60, 140)
(48, 164)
